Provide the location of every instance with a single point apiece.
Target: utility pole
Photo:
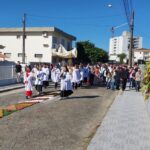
(131, 50)
(23, 38)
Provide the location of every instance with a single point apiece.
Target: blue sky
(85, 19)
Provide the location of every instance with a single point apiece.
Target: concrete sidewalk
(11, 87)
(126, 126)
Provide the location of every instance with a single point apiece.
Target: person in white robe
(76, 76)
(55, 75)
(81, 69)
(39, 80)
(28, 81)
(45, 69)
(65, 84)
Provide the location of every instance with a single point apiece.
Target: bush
(146, 84)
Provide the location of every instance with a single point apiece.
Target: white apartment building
(142, 54)
(121, 44)
(39, 43)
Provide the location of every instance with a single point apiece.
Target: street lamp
(131, 28)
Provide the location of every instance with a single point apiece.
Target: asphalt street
(55, 125)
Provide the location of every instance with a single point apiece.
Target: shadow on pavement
(81, 97)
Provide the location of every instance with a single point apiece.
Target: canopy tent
(63, 53)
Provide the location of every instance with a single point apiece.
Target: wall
(33, 45)
(7, 74)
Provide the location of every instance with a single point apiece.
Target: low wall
(7, 75)
(8, 81)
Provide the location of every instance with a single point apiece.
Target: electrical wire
(72, 18)
(128, 9)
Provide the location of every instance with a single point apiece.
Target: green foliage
(147, 64)
(88, 53)
(146, 84)
(122, 57)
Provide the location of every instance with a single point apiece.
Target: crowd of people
(70, 78)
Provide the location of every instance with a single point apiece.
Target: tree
(88, 53)
(122, 56)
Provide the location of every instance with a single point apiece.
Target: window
(45, 45)
(63, 42)
(38, 55)
(18, 36)
(69, 46)
(55, 42)
(19, 54)
(128, 46)
(7, 55)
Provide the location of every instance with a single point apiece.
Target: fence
(7, 72)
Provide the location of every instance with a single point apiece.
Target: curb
(10, 89)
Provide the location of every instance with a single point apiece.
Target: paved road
(59, 125)
(18, 95)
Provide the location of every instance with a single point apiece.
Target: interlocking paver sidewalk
(126, 126)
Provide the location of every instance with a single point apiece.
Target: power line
(72, 18)
(127, 10)
(131, 5)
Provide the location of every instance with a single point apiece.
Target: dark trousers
(117, 84)
(137, 85)
(56, 85)
(124, 82)
(65, 93)
(74, 85)
(39, 88)
(45, 84)
(133, 82)
(81, 83)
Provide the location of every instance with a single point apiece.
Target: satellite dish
(109, 5)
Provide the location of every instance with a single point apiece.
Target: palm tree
(122, 56)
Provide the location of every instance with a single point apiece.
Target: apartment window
(19, 54)
(128, 46)
(69, 45)
(45, 45)
(63, 42)
(38, 55)
(55, 42)
(18, 36)
(7, 55)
